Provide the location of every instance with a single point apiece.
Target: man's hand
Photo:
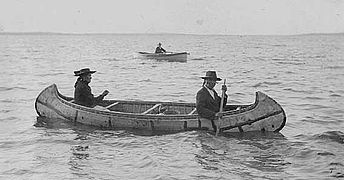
(224, 88)
(219, 115)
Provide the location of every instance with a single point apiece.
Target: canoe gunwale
(161, 54)
(125, 114)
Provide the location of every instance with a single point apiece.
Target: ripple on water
(12, 88)
(334, 67)
(290, 63)
(335, 95)
(336, 169)
(296, 90)
(266, 84)
(5, 111)
(198, 59)
(50, 74)
(334, 136)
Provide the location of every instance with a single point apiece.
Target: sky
(229, 17)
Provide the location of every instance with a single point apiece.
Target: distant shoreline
(59, 33)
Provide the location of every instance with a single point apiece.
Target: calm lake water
(304, 73)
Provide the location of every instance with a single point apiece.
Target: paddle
(221, 109)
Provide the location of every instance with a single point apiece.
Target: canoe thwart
(111, 105)
(152, 108)
(193, 111)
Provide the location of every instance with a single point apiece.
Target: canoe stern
(47, 104)
(264, 115)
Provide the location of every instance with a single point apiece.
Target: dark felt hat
(83, 72)
(211, 75)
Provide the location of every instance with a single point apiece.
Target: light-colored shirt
(211, 92)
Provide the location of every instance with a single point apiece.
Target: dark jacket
(206, 106)
(159, 50)
(83, 95)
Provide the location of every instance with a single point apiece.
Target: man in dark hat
(207, 100)
(159, 49)
(82, 93)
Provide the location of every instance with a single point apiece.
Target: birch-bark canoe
(265, 114)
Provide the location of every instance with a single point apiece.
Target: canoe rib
(111, 105)
(152, 108)
(193, 111)
(263, 115)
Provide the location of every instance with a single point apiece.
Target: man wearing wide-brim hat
(82, 93)
(207, 101)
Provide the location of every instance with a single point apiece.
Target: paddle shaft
(221, 109)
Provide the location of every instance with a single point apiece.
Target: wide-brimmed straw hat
(211, 75)
(83, 72)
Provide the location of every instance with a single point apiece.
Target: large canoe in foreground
(263, 115)
(175, 57)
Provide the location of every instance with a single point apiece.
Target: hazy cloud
(177, 16)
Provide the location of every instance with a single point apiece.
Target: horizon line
(161, 33)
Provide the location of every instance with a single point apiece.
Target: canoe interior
(154, 107)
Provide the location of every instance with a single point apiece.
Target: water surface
(303, 73)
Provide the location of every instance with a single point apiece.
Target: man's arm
(100, 97)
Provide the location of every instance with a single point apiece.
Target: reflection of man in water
(159, 49)
(207, 100)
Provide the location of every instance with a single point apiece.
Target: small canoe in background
(172, 57)
(264, 114)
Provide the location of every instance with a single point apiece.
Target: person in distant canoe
(159, 49)
(82, 93)
(207, 100)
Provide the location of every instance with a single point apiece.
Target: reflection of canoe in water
(263, 115)
(176, 57)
